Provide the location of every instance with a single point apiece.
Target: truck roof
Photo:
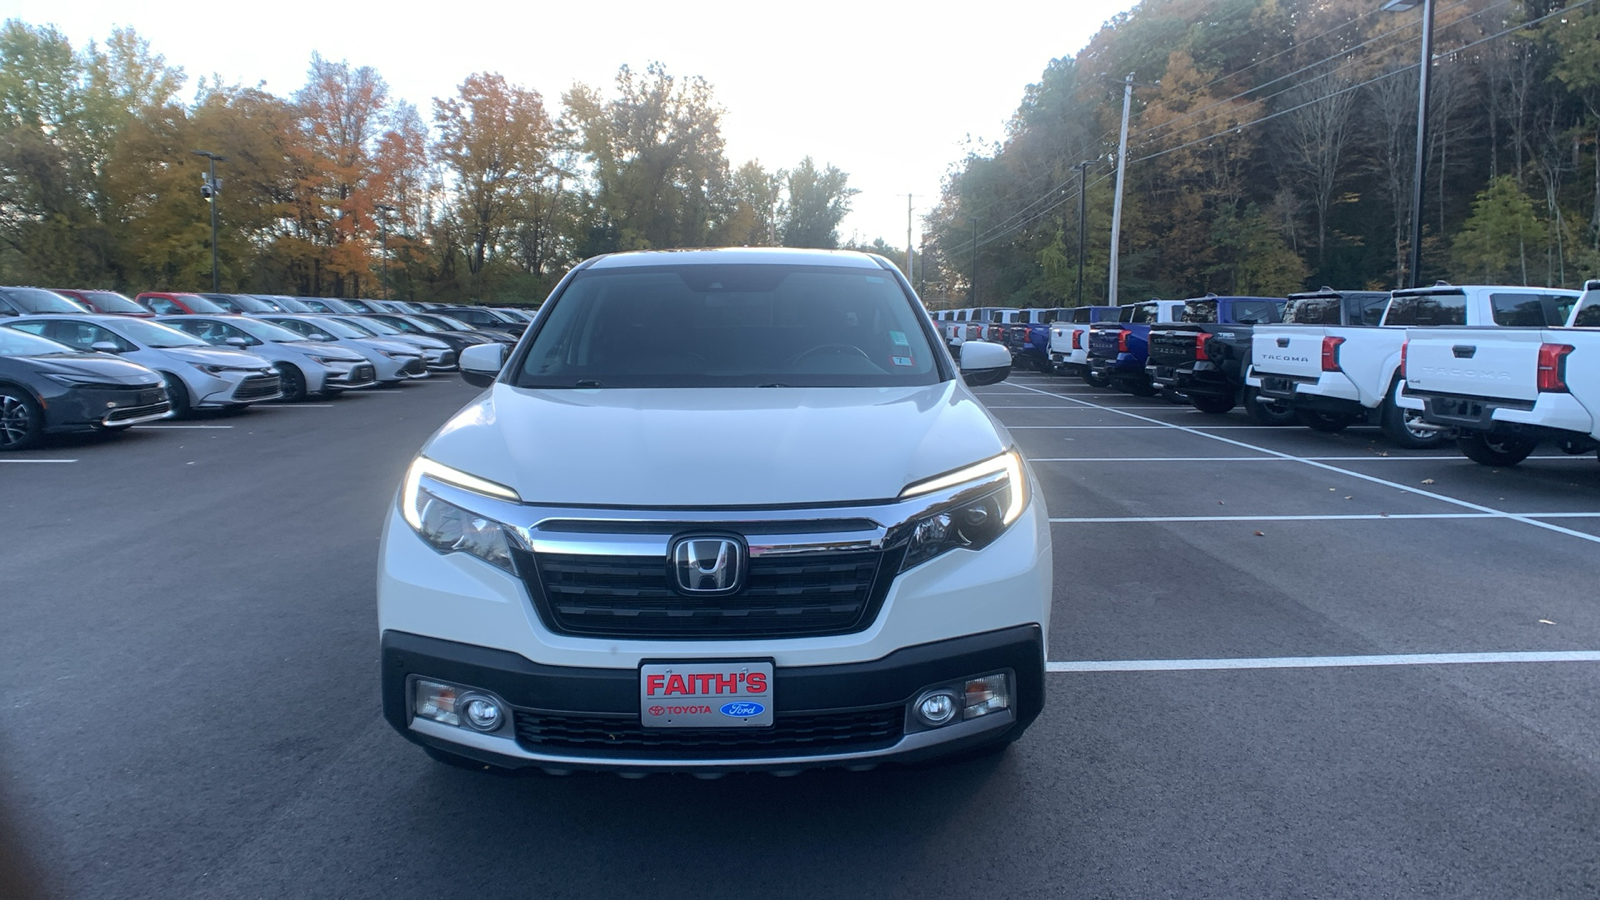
(737, 256)
(1442, 288)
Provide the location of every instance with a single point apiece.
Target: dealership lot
(1257, 689)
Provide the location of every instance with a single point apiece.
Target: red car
(164, 303)
(108, 303)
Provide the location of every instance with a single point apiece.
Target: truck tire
(21, 419)
(1396, 424)
(1275, 413)
(1486, 449)
(1325, 422)
(1211, 403)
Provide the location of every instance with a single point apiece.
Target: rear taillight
(1077, 340)
(1553, 368)
(1404, 347)
(1330, 353)
(1200, 341)
(1122, 341)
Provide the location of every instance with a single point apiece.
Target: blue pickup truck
(1119, 350)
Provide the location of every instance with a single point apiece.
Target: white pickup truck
(1069, 338)
(1348, 370)
(1501, 391)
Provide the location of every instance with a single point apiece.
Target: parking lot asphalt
(1250, 696)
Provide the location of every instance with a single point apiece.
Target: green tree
(1495, 240)
(816, 201)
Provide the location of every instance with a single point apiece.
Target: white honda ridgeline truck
(718, 510)
(1503, 390)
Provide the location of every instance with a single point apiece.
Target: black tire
(1211, 403)
(177, 395)
(1276, 413)
(456, 761)
(1093, 381)
(1396, 423)
(1324, 422)
(1498, 451)
(21, 419)
(292, 384)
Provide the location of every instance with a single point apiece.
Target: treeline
(1271, 149)
(490, 195)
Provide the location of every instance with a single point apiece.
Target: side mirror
(481, 363)
(237, 342)
(984, 362)
(105, 347)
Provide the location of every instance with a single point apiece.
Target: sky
(889, 93)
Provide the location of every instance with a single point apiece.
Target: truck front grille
(799, 595)
(799, 734)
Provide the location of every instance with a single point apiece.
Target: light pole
(209, 190)
(383, 229)
(1083, 215)
(1421, 168)
(1122, 171)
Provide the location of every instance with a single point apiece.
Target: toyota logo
(708, 565)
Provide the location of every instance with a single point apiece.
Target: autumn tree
(341, 111)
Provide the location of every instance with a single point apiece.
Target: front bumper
(87, 407)
(811, 695)
(238, 388)
(350, 376)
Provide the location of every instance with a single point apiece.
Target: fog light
(481, 713)
(437, 702)
(937, 708)
(990, 693)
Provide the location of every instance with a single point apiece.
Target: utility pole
(209, 191)
(383, 229)
(1421, 169)
(973, 287)
(1083, 217)
(1122, 171)
(910, 260)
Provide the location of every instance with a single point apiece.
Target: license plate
(705, 695)
(1277, 385)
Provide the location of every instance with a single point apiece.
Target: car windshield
(342, 330)
(200, 304)
(20, 343)
(372, 325)
(413, 323)
(270, 332)
(158, 336)
(445, 323)
(37, 300)
(113, 302)
(730, 326)
(1312, 310)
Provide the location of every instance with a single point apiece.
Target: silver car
(197, 375)
(392, 361)
(440, 356)
(306, 367)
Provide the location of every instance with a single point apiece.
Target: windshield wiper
(587, 383)
(774, 384)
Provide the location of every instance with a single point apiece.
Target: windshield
(1427, 310)
(443, 323)
(342, 330)
(730, 326)
(1203, 312)
(413, 323)
(113, 302)
(36, 300)
(158, 336)
(270, 332)
(200, 304)
(373, 325)
(20, 343)
(1312, 310)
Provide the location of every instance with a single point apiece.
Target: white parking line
(1135, 427)
(1189, 459)
(1134, 520)
(1322, 662)
(176, 427)
(1591, 538)
(38, 461)
(300, 406)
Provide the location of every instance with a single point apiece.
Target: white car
(197, 375)
(306, 367)
(719, 510)
(392, 361)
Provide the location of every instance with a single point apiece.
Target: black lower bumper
(800, 694)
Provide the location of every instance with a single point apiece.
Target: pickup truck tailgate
(1172, 345)
(1295, 351)
(1501, 363)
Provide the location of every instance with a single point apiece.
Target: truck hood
(706, 447)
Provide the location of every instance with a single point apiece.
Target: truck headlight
(971, 521)
(449, 528)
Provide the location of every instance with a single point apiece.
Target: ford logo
(742, 709)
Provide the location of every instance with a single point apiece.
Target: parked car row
(1495, 368)
(74, 360)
